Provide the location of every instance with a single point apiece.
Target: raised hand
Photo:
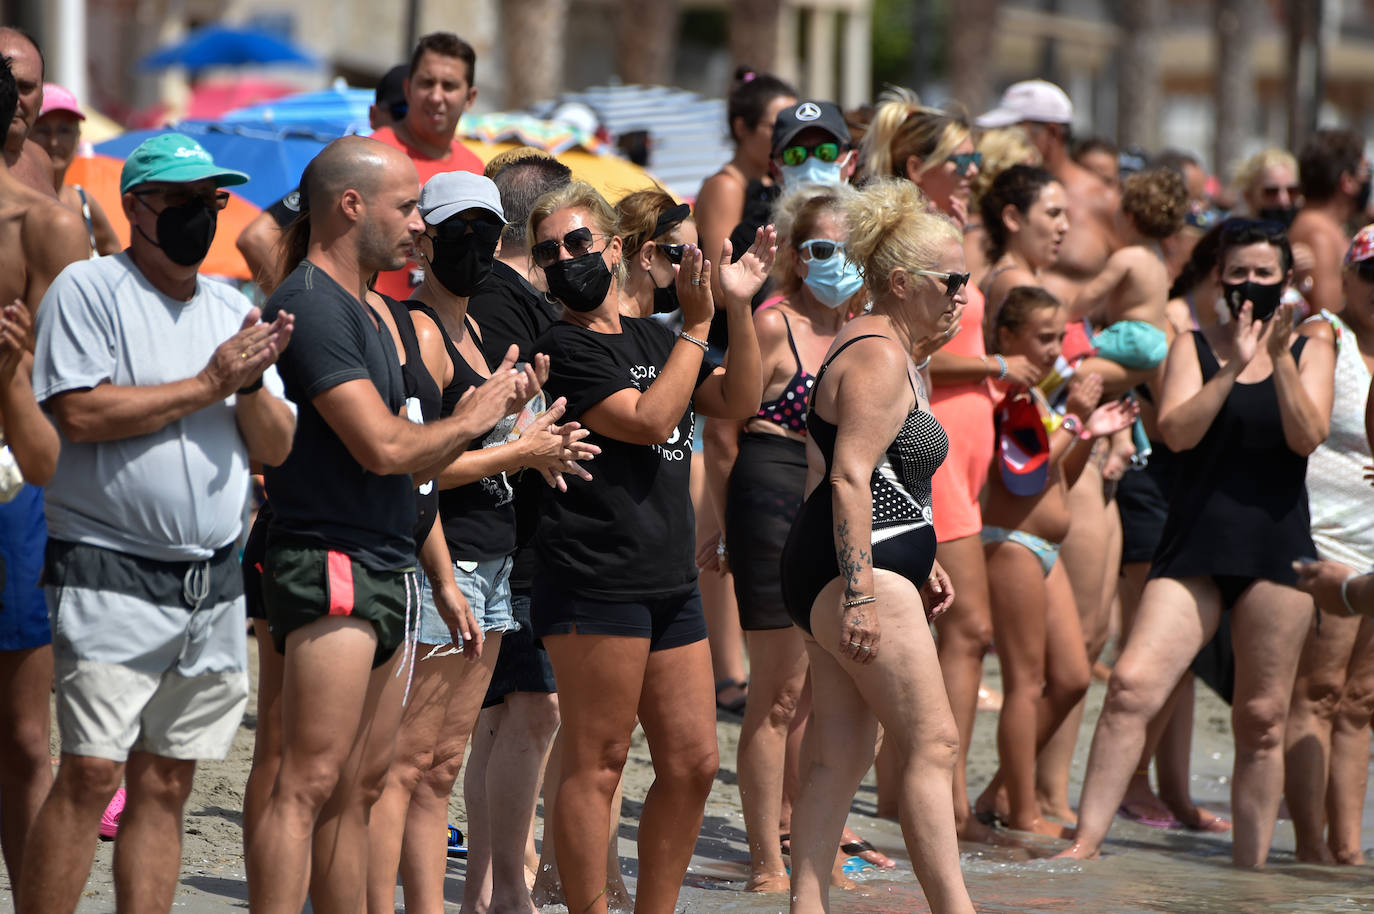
(241, 359)
(1249, 333)
(1280, 329)
(500, 395)
(15, 328)
(694, 288)
(1110, 418)
(741, 280)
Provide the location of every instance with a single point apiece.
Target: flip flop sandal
(456, 846)
(785, 843)
(109, 819)
(854, 865)
(735, 707)
(858, 849)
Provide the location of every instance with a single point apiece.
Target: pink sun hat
(56, 98)
(1361, 246)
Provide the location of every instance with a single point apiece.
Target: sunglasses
(1364, 269)
(820, 249)
(953, 281)
(577, 243)
(826, 152)
(487, 231)
(181, 196)
(1273, 192)
(964, 161)
(673, 252)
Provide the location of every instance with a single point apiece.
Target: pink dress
(965, 410)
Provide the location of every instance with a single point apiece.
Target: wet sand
(1142, 869)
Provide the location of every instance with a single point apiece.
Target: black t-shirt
(630, 532)
(285, 210)
(509, 310)
(321, 496)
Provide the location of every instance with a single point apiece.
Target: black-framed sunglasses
(826, 152)
(820, 249)
(673, 252)
(1364, 269)
(182, 196)
(966, 160)
(953, 281)
(487, 229)
(577, 242)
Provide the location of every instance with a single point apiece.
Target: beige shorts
(139, 666)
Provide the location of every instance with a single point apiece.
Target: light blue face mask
(834, 279)
(814, 171)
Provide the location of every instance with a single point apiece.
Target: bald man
(38, 237)
(338, 574)
(27, 160)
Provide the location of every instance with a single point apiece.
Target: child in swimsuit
(1035, 622)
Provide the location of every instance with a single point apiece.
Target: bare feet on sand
(768, 882)
(1076, 851)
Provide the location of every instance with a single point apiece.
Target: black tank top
(422, 405)
(1239, 505)
(478, 518)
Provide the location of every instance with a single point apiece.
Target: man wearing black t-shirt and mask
(337, 574)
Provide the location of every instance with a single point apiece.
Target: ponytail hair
(901, 128)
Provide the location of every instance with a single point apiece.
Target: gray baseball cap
(451, 192)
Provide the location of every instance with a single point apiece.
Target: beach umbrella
(612, 176)
(340, 109)
(227, 46)
(99, 175)
(517, 127)
(273, 158)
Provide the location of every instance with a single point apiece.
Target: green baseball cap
(177, 158)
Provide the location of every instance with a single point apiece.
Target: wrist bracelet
(850, 604)
(691, 339)
(1001, 366)
(1345, 594)
(252, 388)
(720, 548)
(923, 364)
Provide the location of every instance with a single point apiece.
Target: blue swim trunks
(23, 608)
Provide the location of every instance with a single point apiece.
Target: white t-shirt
(175, 494)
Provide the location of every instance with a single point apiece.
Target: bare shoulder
(51, 217)
(721, 187)
(770, 323)
(1318, 327)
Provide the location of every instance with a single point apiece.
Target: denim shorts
(486, 585)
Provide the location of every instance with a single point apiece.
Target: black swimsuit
(903, 537)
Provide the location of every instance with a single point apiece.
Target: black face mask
(665, 297)
(461, 262)
(184, 232)
(1283, 215)
(580, 283)
(1264, 297)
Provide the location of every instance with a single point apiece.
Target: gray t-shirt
(172, 495)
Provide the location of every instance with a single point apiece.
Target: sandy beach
(1143, 869)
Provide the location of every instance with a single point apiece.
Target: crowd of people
(965, 385)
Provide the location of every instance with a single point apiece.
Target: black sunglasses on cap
(577, 243)
(953, 281)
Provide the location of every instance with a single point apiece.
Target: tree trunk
(646, 41)
(972, 37)
(1138, 86)
(1234, 89)
(532, 40)
(1305, 69)
(754, 34)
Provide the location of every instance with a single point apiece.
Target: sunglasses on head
(966, 160)
(486, 230)
(182, 196)
(953, 281)
(826, 152)
(820, 249)
(577, 243)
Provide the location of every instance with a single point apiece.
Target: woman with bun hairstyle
(934, 151)
(859, 570)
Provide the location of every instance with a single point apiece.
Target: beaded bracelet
(1001, 366)
(691, 339)
(850, 604)
(1345, 594)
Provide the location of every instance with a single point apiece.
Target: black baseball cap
(807, 114)
(391, 90)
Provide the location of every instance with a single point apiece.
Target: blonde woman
(861, 558)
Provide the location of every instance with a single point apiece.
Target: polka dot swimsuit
(789, 409)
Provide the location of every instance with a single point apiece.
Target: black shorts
(667, 622)
(522, 664)
(1142, 497)
(302, 584)
(254, 550)
(764, 496)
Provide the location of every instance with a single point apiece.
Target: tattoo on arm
(851, 560)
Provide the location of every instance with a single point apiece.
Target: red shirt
(399, 284)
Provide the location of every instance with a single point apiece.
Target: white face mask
(814, 171)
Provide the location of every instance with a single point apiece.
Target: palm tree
(1138, 86)
(532, 44)
(1234, 26)
(646, 41)
(754, 33)
(971, 36)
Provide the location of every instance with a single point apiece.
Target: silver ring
(854, 644)
(696, 281)
(865, 647)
